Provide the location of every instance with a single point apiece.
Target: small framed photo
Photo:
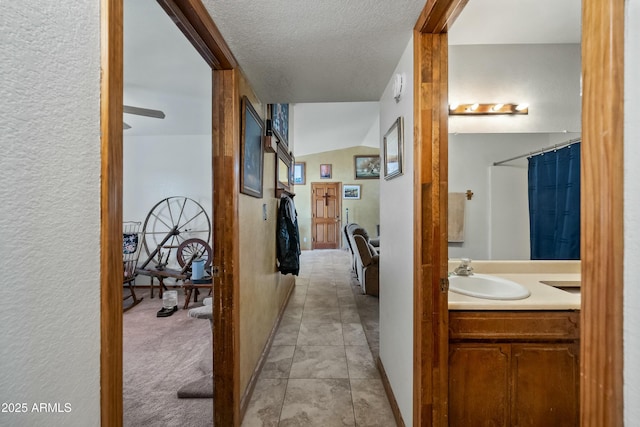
(351, 192)
(325, 171)
(300, 173)
(367, 167)
(393, 143)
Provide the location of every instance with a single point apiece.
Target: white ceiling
(297, 51)
(316, 51)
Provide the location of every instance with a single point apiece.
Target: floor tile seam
(332, 322)
(338, 346)
(293, 356)
(353, 405)
(371, 360)
(323, 380)
(284, 397)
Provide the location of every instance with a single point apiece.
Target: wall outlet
(304, 239)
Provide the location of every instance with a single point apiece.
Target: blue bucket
(197, 269)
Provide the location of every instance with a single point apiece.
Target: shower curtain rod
(544, 150)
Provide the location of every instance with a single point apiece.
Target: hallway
(320, 370)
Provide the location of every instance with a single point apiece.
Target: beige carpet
(161, 356)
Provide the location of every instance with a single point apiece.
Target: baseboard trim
(392, 399)
(246, 396)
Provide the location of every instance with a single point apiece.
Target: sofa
(364, 258)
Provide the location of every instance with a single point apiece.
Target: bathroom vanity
(517, 362)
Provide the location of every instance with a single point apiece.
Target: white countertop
(543, 297)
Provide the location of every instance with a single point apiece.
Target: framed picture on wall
(300, 173)
(393, 144)
(251, 151)
(367, 167)
(325, 171)
(351, 191)
(280, 122)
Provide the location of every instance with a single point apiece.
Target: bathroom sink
(487, 287)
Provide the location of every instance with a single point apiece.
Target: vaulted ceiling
(308, 51)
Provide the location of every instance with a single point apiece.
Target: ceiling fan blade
(143, 112)
(126, 126)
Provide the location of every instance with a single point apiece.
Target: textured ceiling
(316, 51)
(306, 51)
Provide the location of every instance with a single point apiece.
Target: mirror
(283, 173)
(284, 165)
(495, 220)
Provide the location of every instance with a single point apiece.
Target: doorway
(162, 71)
(601, 229)
(325, 215)
(194, 21)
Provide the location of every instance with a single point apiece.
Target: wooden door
(325, 221)
(479, 384)
(546, 382)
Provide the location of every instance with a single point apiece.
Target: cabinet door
(545, 384)
(479, 385)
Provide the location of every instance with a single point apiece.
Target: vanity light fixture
(487, 109)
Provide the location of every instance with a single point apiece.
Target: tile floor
(320, 370)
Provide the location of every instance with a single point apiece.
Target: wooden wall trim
(226, 255)
(389, 390)
(248, 392)
(430, 222)
(601, 396)
(438, 15)
(111, 273)
(194, 21)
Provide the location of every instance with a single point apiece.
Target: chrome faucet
(464, 269)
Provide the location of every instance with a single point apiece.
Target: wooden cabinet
(514, 369)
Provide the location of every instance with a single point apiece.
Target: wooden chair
(131, 245)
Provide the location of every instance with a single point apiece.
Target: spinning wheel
(171, 222)
(192, 249)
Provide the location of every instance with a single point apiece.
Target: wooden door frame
(339, 209)
(602, 211)
(195, 22)
(601, 388)
(431, 115)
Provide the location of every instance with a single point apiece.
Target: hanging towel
(456, 217)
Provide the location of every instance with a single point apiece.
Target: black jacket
(288, 237)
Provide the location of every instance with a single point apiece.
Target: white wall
(508, 212)
(632, 215)
(396, 262)
(329, 126)
(157, 167)
(50, 211)
(495, 193)
(547, 77)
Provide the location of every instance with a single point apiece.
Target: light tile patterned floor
(320, 370)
